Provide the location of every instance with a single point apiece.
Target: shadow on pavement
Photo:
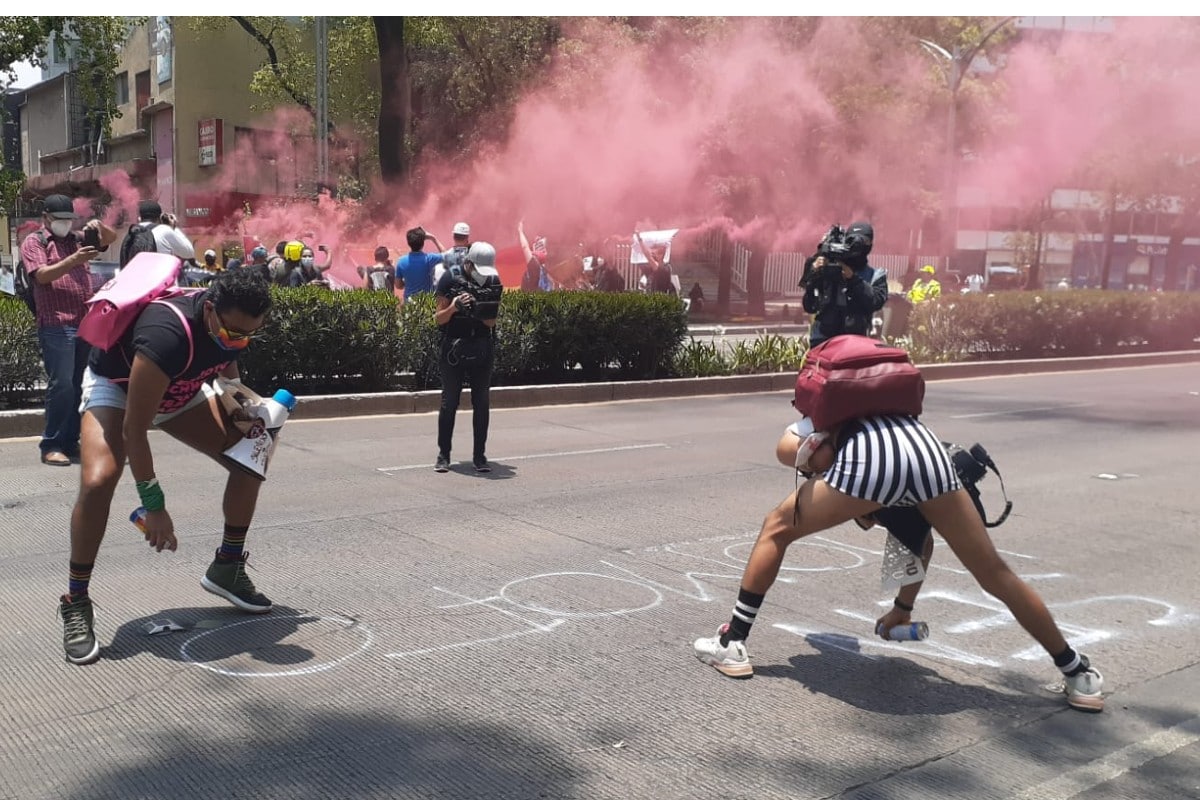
(893, 685)
(216, 634)
(283, 751)
(500, 472)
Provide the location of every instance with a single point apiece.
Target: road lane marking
(506, 459)
(1114, 765)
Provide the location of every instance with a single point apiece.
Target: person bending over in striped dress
(886, 462)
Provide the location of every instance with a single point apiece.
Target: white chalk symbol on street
(627, 589)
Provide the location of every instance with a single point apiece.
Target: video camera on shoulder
(837, 246)
(840, 244)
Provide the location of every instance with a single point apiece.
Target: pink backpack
(147, 277)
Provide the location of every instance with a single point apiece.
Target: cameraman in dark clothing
(468, 301)
(840, 289)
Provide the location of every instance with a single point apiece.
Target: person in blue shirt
(414, 271)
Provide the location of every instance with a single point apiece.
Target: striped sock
(232, 543)
(744, 612)
(1071, 662)
(78, 579)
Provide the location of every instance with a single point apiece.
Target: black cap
(149, 209)
(862, 229)
(59, 206)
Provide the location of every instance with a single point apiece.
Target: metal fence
(781, 273)
(783, 270)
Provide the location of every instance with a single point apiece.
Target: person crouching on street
(157, 376)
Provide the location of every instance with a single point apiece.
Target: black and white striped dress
(892, 460)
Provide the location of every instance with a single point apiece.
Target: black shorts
(907, 524)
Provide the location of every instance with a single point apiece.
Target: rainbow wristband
(151, 495)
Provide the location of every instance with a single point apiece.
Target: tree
(384, 71)
(96, 42)
(394, 96)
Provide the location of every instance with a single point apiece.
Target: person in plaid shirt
(56, 261)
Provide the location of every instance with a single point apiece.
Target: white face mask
(306, 262)
(60, 227)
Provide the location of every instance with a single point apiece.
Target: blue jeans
(65, 357)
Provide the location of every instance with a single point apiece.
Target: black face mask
(209, 260)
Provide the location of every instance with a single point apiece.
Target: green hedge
(551, 337)
(1052, 324)
(20, 355)
(320, 342)
(316, 341)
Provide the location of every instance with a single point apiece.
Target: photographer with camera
(841, 290)
(468, 301)
(54, 259)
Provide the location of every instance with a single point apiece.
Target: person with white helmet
(468, 301)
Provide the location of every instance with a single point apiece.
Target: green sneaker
(228, 579)
(79, 634)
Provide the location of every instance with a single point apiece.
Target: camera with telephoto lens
(970, 464)
(838, 245)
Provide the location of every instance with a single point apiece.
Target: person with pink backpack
(156, 373)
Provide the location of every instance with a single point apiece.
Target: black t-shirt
(660, 280)
(460, 325)
(158, 334)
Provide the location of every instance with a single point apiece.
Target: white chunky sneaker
(731, 659)
(1084, 689)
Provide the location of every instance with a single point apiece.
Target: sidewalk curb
(29, 422)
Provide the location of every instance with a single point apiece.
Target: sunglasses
(226, 333)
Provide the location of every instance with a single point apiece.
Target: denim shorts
(101, 392)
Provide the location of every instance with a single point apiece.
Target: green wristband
(151, 495)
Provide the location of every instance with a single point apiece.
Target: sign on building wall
(212, 141)
(161, 43)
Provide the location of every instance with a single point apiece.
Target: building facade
(185, 108)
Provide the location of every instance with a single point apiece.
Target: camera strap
(974, 492)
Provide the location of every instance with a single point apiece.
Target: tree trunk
(1034, 279)
(1174, 278)
(756, 304)
(393, 97)
(1106, 257)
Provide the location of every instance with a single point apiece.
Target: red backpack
(847, 377)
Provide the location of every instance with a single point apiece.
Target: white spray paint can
(912, 632)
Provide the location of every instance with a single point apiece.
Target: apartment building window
(121, 88)
(142, 88)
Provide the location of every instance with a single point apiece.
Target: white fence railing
(782, 271)
(741, 262)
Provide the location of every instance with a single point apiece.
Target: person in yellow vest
(925, 287)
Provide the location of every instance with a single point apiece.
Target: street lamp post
(322, 126)
(954, 66)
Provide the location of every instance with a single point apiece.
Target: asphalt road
(527, 634)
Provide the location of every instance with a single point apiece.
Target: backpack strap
(187, 328)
